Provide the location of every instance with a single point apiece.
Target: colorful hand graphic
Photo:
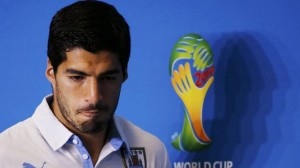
(191, 68)
(193, 99)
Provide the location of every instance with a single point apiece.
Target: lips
(92, 110)
(90, 113)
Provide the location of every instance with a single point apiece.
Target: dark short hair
(90, 25)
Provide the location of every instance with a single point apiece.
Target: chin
(93, 126)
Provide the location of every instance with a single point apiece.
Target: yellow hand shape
(192, 97)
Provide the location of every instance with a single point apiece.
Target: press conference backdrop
(251, 110)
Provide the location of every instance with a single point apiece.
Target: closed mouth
(90, 113)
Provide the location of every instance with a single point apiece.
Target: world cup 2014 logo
(191, 69)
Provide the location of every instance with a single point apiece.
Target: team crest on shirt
(136, 158)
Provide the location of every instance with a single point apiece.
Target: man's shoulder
(137, 136)
(144, 143)
(17, 133)
(15, 138)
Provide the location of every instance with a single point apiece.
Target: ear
(50, 73)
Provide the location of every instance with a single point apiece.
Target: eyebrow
(78, 72)
(74, 71)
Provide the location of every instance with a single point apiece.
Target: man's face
(86, 89)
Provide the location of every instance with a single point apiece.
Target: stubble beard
(91, 127)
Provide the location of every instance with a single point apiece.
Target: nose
(94, 92)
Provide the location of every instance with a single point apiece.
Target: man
(88, 51)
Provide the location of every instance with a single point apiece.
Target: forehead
(91, 62)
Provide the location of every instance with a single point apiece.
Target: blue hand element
(27, 165)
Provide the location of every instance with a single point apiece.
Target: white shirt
(43, 141)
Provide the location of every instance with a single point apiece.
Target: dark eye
(77, 78)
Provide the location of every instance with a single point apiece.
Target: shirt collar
(116, 136)
(56, 134)
(118, 127)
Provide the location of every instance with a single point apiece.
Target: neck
(94, 143)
